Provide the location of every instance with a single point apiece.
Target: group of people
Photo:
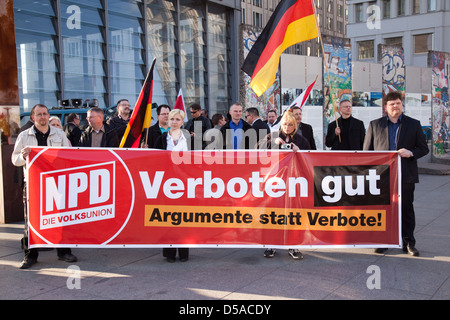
(395, 131)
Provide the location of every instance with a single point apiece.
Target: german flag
(291, 23)
(142, 114)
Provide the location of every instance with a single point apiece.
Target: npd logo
(77, 195)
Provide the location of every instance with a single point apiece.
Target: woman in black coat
(287, 137)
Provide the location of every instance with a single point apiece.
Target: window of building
(366, 49)
(330, 6)
(432, 5)
(373, 7)
(330, 23)
(126, 45)
(386, 9)
(257, 3)
(359, 12)
(340, 27)
(416, 6)
(162, 39)
(219, 39)
(257, 19)
(193, 50)
(340, 11)
(84, 69)
(423, 43)
(401, 8)
(37, 62)
(394, 41)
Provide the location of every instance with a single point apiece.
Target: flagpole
(326, 67)
(148, 73)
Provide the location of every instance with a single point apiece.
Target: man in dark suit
(350, 132)
(397, 131)
(197, 126)
(156, 130)
(98, 134)
(261, 128)
(72, 129)
(303, 128)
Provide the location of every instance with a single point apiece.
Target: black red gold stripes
(291, 23)
(141, 117)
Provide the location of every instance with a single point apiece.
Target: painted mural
(269, 100)
(393, 68)
(440, 64)
(338, 79)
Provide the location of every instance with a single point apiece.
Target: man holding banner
(40, 134)
(397, 131)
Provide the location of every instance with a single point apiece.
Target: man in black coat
(120, 120)
(304, 129)
(261, 128)
(197, 126)
(156, 130)
(72, 130)
(350, 133)
(397, 131)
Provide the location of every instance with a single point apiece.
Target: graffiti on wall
(269, 100)
(338, 79)
(393, 68)
(440, 63)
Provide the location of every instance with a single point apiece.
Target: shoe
(170, 259)
(412, 250)
(27, 263)
(68, 257)
(295, 254)
(184, 259)
(269, 253)
(380, 250)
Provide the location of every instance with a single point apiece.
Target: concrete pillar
(11, 207)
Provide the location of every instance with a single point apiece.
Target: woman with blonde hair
(176, 139)
(286, 137)
(55, 122)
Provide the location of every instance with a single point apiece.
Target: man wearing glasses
(197, 126)
(350, 132)
(156, 130)
(119, 121)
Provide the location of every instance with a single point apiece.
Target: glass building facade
(102, 49)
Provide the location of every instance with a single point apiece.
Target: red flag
(179, 104)
(301, 99)
(142, 114)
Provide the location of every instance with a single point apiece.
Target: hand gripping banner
(155, 198)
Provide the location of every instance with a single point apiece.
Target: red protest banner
(155, 198)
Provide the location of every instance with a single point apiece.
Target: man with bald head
(349, 133)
